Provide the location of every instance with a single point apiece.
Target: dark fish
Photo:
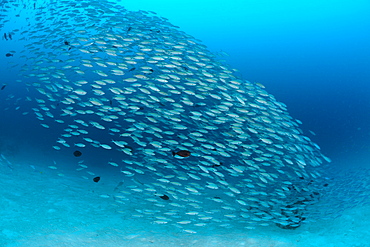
(66, 42)
(96, 179)
(8, 55)
(118, 185)
(182, 153)
(5, 36)
(131, 149)
(165, 197)
(129, 29)
(77, 153)
(2, 88)
(10, 36)
(132, 69)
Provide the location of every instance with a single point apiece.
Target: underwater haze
(184, 123)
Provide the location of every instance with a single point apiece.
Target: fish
(77, 153)
(181, 153)
(164, 197)
(9, 55)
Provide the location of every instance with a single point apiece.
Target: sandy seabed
(43, 207)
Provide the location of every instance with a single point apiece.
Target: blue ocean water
(311, 55)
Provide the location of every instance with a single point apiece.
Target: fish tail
(173, 153)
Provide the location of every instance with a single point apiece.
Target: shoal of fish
(199, 145)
